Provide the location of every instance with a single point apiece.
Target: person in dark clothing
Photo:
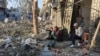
(77, 35)
(58, 33)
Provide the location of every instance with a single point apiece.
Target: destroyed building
(64, 13)
(2, 9)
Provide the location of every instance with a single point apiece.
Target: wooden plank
(35, 17)
(94, 37)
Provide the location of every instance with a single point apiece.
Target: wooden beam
(35, 17)
(94, 37)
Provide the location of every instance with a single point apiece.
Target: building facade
(2, 9)
(64, 13)
(58, 11)
(14, 13)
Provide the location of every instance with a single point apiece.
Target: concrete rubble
(17, 32)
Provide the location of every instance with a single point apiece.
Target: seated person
(50, 31)
(58, 33)
(78, 35)
(53, 41)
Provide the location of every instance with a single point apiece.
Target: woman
(57, 33)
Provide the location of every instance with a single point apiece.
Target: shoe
(72, 45)
(78, 44)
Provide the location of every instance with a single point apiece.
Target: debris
(18, 31)
(46, 52)
(6, 20)
(85, 51)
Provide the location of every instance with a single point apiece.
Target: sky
(10, 4)
(40, 3)
(13, 4)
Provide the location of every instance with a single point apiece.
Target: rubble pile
(21, 29)
(15, 28)
(16, 47)
(72, 52)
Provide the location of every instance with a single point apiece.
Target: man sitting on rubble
(78, 35)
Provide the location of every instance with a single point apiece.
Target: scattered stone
(23, 30)
(85, 51)
(46, 52)
(6, 20)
